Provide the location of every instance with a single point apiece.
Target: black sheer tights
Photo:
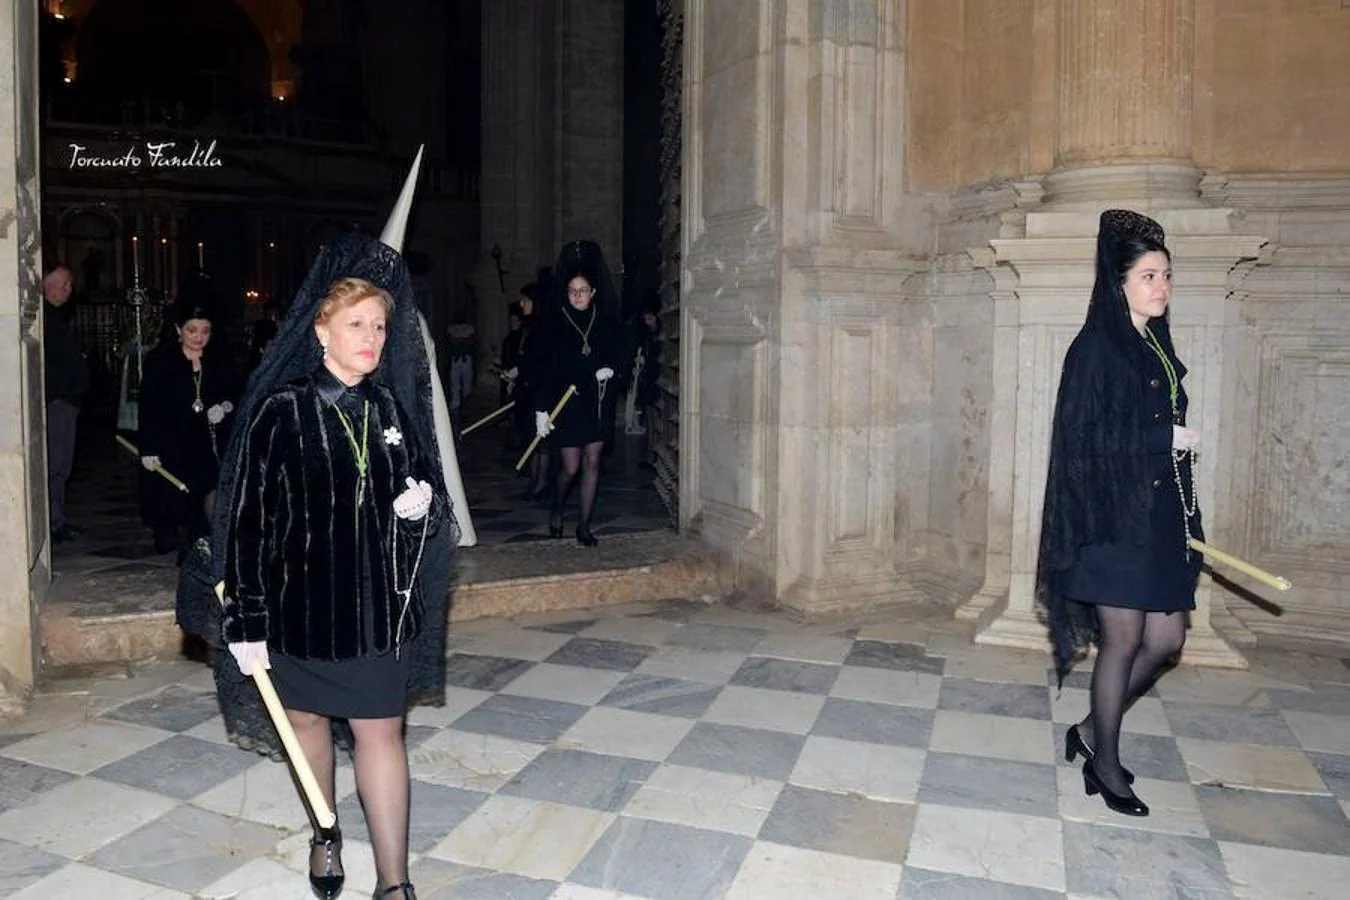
(585, 460)
(1132, 648)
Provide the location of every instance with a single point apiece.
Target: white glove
(1184, 438)
(414, 502)
(227, 407)
(542, 426)
(151, 463)
(512, 373)
(604, 374)
(216, 414)
(251, 656)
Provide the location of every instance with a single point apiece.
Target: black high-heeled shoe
(584, 536)
(1126, 804)
(555, 523)
(1074, 745)
(381, 893)
(327, 884)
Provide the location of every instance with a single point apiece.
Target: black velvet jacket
(308, 568)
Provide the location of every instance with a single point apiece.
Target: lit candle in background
(164, 264)
(201, 255)
(135, 260)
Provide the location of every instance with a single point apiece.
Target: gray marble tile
(923, 884)
(187, 849)
(21, 782)
(521, 718)
(565, 627)
(439, 880)
(786, 675)
(1288, 821)
(1329, 699)
(667, 696)
(594, 653)
(662, 861)
(20, 867)
(436, 811)
(172, 709)
(840, 823)
(981, 783)
(726, 638)
(1105, 861)
(740, 751)
(1146, 755)
(483, 673)
(874, 723)
(180, 767)
(7, 739)
(1335, 772)
(416, 735)
(1020, 701)
(1235, 724)
(578, 778)
(901, 657)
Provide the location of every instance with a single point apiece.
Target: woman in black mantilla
(186, 406)
(1120, 504)
(581, 344)
(334, 539)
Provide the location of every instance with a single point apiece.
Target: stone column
(1045, 280)
(25, 555)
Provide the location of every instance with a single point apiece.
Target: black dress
(1159, 574)
(173, 426)
(566, 336)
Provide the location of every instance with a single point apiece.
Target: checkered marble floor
(681, 751)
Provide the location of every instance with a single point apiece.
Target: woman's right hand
(1184, 438)
(251, 656)
(151, 463)
(542, 426)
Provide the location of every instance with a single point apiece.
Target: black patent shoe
(325, 865)
(405, 890)
(1126, 804)
(555, 523)
(1074, 745)
(584, 536)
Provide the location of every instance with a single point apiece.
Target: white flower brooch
(393, 436)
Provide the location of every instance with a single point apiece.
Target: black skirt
(371, 687)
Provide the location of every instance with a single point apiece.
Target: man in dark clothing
(67, 378)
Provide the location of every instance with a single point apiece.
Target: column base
(1021, 629)
(1204, 647)
(982, 607)
(857, 594)
(1144, 186)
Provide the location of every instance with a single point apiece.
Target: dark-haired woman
(1120, 505)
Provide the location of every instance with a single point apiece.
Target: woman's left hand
(217, 413)
(414, 502)
(604, 374)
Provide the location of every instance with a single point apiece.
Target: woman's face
(580, 293)
(354, 338)
(194, 335)
(526, 305)
(1148, 287)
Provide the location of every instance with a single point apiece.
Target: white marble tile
(81, 816)
(260, 879)
(1221, 686)
(1026, 850)
(759, 708)
(816, 648)
(709, 666)
(776, 872)
(994, 664)
(648, 630)
(266, 794)
(80, 881)
(1268, 873)
(515, 643)
(874, 771)
(458, 701)
(1250, 766)
(888, 686)
(525, 837)
(83, 748)
(1001, 737)
(1318, 732)
(1172, 806)
(623, 732)
(1146, 716)
(714, 800)
(478, 762)
(568, 684)
(577, 892)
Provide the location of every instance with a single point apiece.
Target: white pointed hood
(397, 226)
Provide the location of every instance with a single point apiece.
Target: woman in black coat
(188, 391)
(581, 345)
(1120, 505)
(330, 516)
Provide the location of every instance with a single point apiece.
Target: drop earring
(325, 350)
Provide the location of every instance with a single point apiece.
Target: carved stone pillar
(1044, 281)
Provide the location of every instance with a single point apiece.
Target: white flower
(393, 436)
